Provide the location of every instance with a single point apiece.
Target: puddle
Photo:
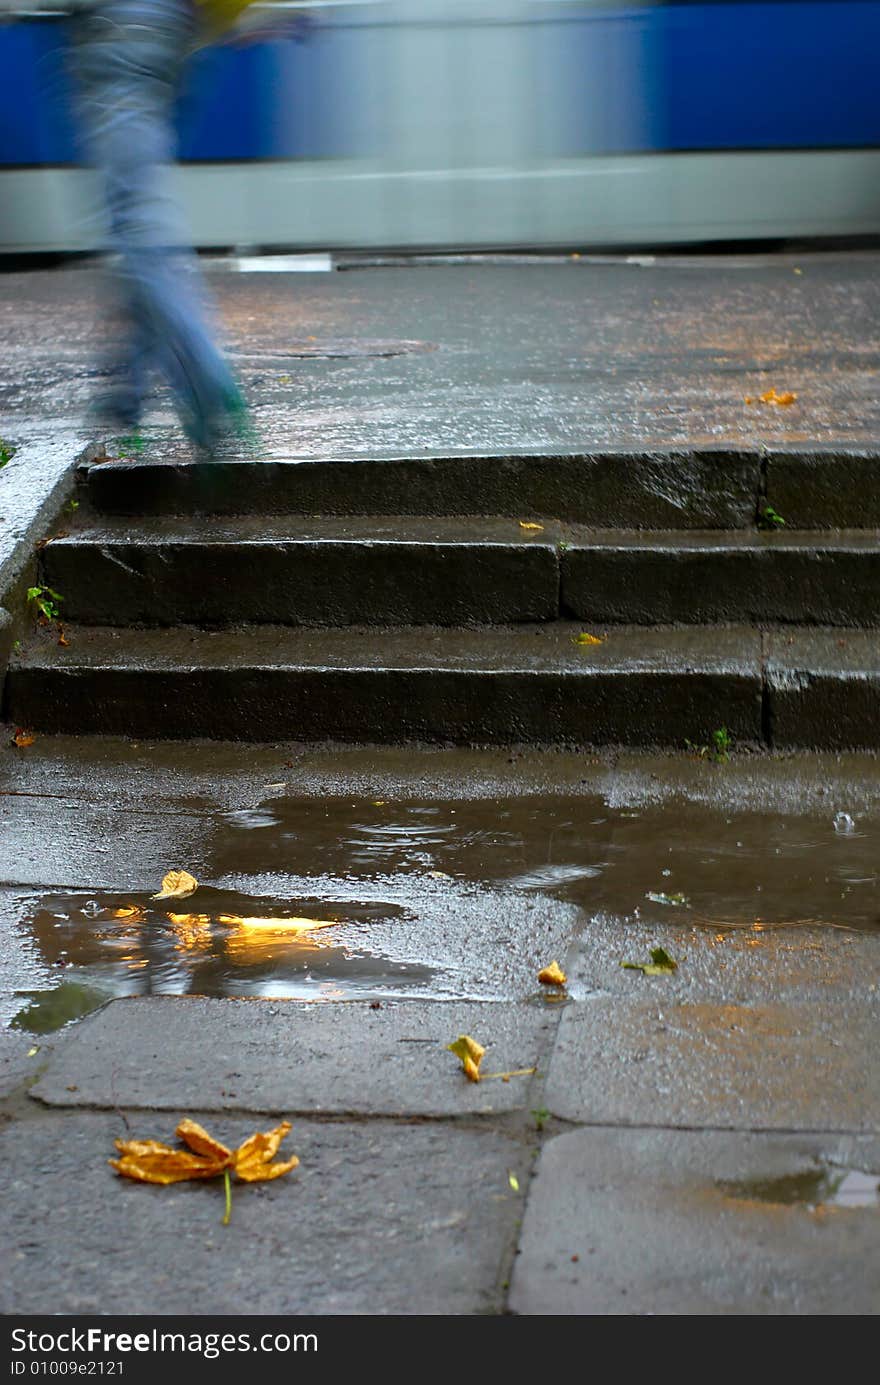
(819, 1187)
(47, 1011)
(435, 899)
(653, 863)
(215, 942)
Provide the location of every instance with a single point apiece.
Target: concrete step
(803, 577)
(815, 689)
(677, 488)
(408, 570)
(509, 684)
(811, 485)
(307, 572)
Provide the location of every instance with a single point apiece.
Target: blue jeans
(129, 55)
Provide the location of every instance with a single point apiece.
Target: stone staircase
(615, 598)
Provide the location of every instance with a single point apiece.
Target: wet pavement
(582, 353)
(356, 911)
(700, 1139)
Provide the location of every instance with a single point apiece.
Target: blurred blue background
(399, 123)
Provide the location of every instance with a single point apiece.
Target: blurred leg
(129, 58)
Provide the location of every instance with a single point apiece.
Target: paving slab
(62, 840)
(823, 688)
(806, 1065)
(21, 1059)
(385, 1218)
(728, 963)
(275, 1055)
(644, 1222)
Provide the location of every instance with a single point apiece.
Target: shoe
(115, 410)
(226, 431)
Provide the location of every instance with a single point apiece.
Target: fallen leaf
(62, 638)
(150, 1161)
(527, 524)
(200, 1142)
(470, 1053)
(32, 1051)
(586, 638)
(177, 884)
(252, 1160)
(439, 875)
(23, 738)
(513, 1181)
(782, 401)
(660, 964)
(552, 975)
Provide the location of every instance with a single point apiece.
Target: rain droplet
(844, 823)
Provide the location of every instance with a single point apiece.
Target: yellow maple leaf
(150, 1161)
(552, 975)
(470, 1053)
(782, 401)
(252, 1160)
(177, 884)
(529, 524)
(586, 638)
(23, 738)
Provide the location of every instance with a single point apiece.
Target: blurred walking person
(129, 57)
(128, 61)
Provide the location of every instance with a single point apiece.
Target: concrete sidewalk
(702, 1142)
(705, 1141)
(497, 357)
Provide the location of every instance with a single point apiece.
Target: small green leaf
(46, 601)
(768, 518)
(661, 964)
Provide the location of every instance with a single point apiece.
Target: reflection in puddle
(306, 950)
(49, 1010)
(819, 1187)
